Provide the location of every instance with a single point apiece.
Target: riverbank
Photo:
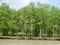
(29, 38)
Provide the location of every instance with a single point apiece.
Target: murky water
(28, 42)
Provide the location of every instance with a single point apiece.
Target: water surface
(28, 42)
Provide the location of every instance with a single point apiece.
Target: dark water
(28, 42)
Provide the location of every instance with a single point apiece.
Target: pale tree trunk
(40, 32)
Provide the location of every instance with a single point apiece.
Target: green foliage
(31, 20)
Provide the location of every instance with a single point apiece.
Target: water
(28, 42)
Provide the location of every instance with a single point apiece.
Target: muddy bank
(29, 38)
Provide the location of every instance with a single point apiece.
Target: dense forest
(38, 20)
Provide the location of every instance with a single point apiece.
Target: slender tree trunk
(40, 31)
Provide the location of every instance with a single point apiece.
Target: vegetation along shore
(34, 21)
